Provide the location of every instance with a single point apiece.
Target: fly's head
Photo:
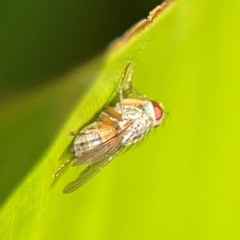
(155, 112)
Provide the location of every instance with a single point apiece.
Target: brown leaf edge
(140, 26)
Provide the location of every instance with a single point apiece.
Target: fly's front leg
(121, 86)
(134, 102)
(127, 88)
(130, 89)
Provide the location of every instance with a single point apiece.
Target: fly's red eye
(158, 110)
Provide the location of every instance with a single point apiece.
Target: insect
(117, 127)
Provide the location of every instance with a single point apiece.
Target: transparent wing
(100, 157)
(105, 149)
(89, 172)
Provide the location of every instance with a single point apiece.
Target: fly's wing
(100, 152)
(88, 173)
(103, 150)
(103, 155)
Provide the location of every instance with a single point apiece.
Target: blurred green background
(182, 182)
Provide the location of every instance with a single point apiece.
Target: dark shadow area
(43, 39)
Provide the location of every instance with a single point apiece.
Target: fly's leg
(127, 88)
(121, 86)
(130, 89)
(63, 166)
(113, 113)
(134, 102)
(74, 134)
(106, 120)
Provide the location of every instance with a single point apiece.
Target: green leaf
(183, 181)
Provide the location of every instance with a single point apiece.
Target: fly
(117, 127)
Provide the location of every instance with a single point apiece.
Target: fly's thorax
(90, 137)
(130, 113)
(138, 123)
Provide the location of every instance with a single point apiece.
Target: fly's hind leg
(63, 166)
